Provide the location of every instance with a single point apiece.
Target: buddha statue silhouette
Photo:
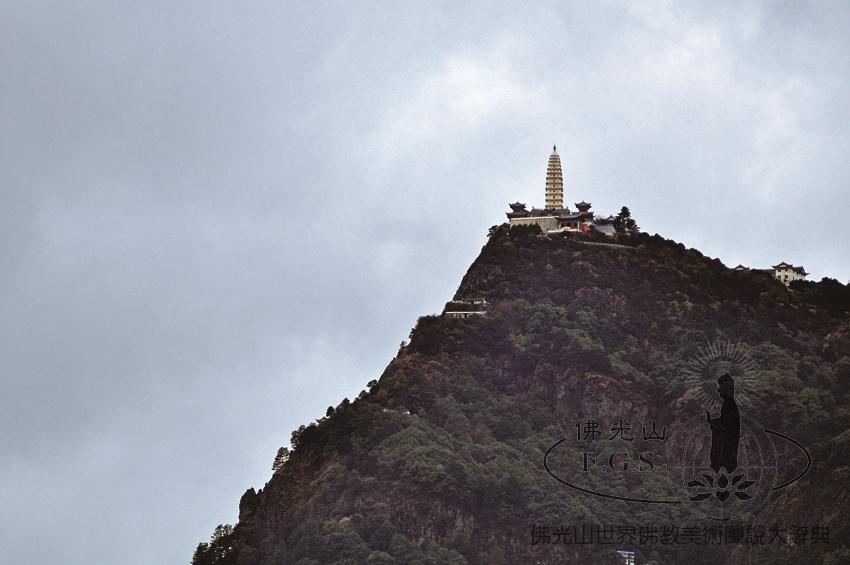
(725, 430)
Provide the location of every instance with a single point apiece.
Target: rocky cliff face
(441, 461)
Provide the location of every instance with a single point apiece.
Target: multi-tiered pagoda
(554, 182)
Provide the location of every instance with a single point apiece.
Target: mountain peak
(441, 460)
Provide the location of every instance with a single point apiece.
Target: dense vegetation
(440, 460)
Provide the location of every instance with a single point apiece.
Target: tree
(296, 436)
(219, 550)
(280, 459)
(624, 223)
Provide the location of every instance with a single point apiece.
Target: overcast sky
(218, 218)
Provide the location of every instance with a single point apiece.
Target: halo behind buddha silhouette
(725, 430)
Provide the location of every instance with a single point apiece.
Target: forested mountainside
(442, 459)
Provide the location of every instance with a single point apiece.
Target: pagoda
(554, 217)
(554, 182)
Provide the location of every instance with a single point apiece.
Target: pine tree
(280, 459)
(624, 223)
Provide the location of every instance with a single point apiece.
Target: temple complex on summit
(555, 217)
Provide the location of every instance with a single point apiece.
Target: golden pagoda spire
(554, 182)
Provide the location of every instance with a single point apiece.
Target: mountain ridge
(441, 460)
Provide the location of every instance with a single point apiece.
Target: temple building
(555, 218)
(465, 308)
(784, 272)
